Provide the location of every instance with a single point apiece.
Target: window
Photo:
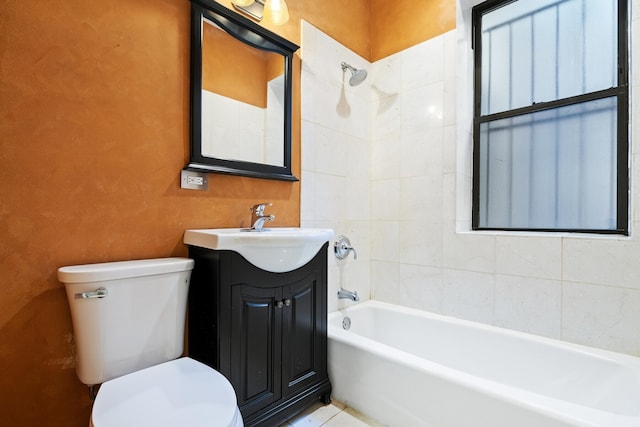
(551, 116)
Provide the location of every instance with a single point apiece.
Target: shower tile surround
(388, 163)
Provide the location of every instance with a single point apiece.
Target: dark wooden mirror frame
(256, 36)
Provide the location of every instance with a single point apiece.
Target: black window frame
(621, 92)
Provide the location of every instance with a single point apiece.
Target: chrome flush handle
(98, 293)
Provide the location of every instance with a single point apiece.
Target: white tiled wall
(336, 151)
(388, 163)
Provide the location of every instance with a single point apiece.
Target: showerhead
(357, 76)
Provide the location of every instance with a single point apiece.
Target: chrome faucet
(342, 247)
(345, 294)
(258, 217)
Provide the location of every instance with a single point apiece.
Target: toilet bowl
(182, 392)
(128, 322)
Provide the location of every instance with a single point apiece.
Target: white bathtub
(407, 367)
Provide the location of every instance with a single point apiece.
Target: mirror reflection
(242, 100)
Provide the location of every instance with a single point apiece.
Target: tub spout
(345, 294)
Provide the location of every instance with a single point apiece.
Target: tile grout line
(338, 413)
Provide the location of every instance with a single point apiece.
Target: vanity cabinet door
(303, 342)
(256, 337)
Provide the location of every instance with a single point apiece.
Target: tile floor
(334, 415)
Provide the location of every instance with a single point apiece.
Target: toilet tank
(138, 323)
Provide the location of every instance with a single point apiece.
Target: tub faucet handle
(342, 247)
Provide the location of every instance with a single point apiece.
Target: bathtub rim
(557, 409)
(555, 342)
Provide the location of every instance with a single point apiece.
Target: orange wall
(397, 25)
(373, 29)
(94, 130)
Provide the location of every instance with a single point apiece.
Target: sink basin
(277, 249)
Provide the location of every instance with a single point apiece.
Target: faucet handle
(258, 209)
(342, 247)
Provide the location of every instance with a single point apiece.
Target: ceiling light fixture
(274, 11)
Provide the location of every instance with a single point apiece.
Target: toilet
(128, 322)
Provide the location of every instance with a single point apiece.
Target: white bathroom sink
(277, 249)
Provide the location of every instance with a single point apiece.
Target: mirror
(240, 95)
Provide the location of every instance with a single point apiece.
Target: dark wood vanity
(266, 332)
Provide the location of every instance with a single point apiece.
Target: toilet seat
(182, 392)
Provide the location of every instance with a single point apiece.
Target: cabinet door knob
(279, 304)
(287, 302)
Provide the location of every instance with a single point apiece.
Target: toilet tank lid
(122, 269)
